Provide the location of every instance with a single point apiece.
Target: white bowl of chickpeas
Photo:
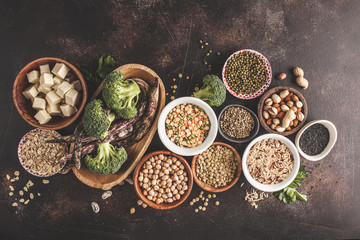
(163, 180)
(187, 126)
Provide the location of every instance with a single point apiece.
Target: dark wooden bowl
(24, 106)
(162, 206)
(268, 95)
(210, 188)
(136, 151)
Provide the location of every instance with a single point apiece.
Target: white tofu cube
(52, 98)
(33, 76)
(71, 97)
(30, 92)
(68, 110)
(57, 80)
(53, 110)
(44, 69)
(63, 88)
(46, 80)
(43, 89)
(39, 103)
(60, 70)
(76, 85)
(42, 116)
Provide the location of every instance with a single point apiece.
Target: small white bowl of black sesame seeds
(316, 139)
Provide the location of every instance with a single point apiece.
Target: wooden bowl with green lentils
(218, 168)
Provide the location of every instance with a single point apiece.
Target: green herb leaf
(290, 194)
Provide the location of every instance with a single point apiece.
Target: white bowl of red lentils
(187, 126)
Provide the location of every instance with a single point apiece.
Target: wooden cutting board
(136, 151)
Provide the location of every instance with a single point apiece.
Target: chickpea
(149, 197)
(181, 192)
(170, 200)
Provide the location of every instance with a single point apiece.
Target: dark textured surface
(322, 37)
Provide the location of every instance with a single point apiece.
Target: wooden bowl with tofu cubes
(49, 93)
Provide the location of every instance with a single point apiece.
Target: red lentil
(187, 125)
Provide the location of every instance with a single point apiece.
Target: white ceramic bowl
(272, 187)
(333, 137)
(184, 151)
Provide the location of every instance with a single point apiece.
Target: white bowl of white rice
(270, 162)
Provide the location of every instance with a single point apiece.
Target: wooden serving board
(136, 151)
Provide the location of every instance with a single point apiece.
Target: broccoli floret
(108, 159)
(121, 95)
(213, 91)
(95, 121)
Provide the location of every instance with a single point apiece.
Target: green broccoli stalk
(95, 121)
(213, 91)
(121, 95)
(108, 159)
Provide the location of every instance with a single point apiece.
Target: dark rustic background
(322, 37)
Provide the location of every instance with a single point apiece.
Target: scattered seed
(21, 193)
(196, 89)
(214, 195)
(16, 173)
(139, 202)
(206, 43)
(180, 75)
(203, 199)
(22, 200)
(206, 200)
(242, 185)
(172, 97)
(45, 181)
(132, 210)
(144, 205)
(200, 41)
(196, 210)
(217, 203)
(27, 201)
(205, 62)
(95, 207)
(200, 207)
(16, 179)
(205, 204)
(202, 192)
(11, 193)
(191, 203)
(167, 94)
(12, 180)
(7, 177)
(197, 199)
(39, 194)
(207, 54)
(11, 188)
(106, 189)
(204, 209)
(218, 53)
(209, 195)
(29, 184)
(173, 91)
(25, 189)
(202, 46)
(106, 195)
(175, 86)
(187, 77)
(14, 204)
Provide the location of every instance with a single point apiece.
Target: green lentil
(245, 73)
(180, 75)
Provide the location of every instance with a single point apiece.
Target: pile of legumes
(216, 166)
(187, 125)
(163, 179)
(270, 161)
(236, 122)
(245, 73)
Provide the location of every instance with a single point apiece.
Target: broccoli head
(95, 121)
(121, 95)
(213, 91)
(108, 159)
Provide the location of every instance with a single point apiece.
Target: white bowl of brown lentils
(238, 124)
(187, 126)
(163, 180)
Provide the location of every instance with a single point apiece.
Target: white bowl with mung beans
(187, 126)
(274, 150)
